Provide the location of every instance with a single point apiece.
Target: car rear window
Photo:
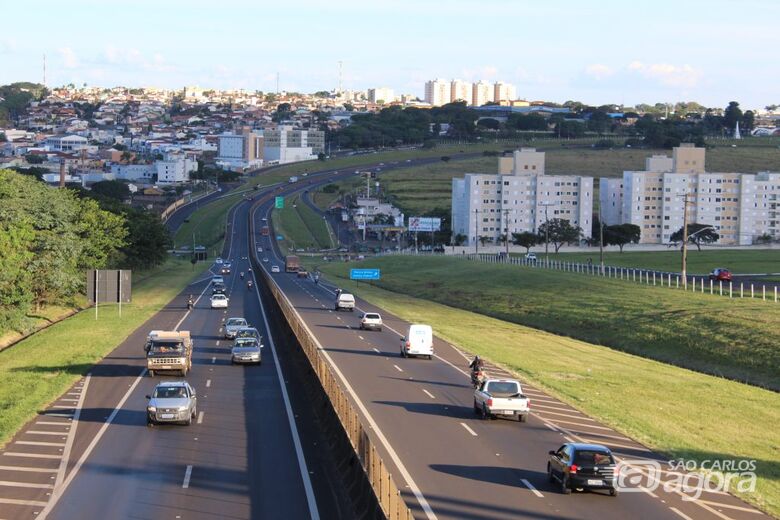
(503, 388)
(236, 322)
(372, 316)
(246, 333)
(592, 458)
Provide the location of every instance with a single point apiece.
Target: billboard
(429, 224)
(109, 285)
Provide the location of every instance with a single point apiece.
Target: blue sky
(597, 52)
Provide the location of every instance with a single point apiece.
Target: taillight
(408, 344)
(528, 403)
(490, 402)
(573, 468)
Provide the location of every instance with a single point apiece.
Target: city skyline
(610, 53)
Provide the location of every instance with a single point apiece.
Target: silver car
(232, 325)
(246, 350)
(172, 401)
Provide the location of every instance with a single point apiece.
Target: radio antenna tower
(341, 75)
(277, 83)
(44, 70)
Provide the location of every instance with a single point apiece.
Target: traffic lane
(456, 459)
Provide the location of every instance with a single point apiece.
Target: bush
(604, 144)
(330, 188)
(633, 142)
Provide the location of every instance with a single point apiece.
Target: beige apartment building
(521, 197)
(741, 207)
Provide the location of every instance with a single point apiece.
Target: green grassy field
(288, 223)
(31, 380)
(755, 261)
(316, 225)
(732, 338)
(681, 413)
(207, 224)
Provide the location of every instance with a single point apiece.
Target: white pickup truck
(501, 398)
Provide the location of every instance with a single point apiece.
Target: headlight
(182, 408)
(151, 409)
(182, 360)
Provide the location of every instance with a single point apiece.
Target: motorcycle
(190, 305)
(242, 275)
(478, 376)
(249, 285)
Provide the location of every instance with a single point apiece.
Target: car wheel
(522, 418)
(485, 414)
(151, 373)
(476, 407)
(149, 422)
(613, 492)
(565, 489)
(379, 329)
(550, 476)
(403, 354)
(188, 422)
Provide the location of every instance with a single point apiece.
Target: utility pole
(506, 230)
(476, 231)
(685, 241)
(547, 232)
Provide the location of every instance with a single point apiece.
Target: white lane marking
(25, 485)
(531, 487)
(311, 500)
(729, 506)
(41, 443)
(52, 414)
(208, 383)
(472, 432)
(398, 368)
(213, 359)
(564, 415)
(680, 513)
(548, 407)
(37, 432)
(200, 417)
(428, 393)
(600, 435)
(64, 406)
(31, 455)
(68, 400)
(361, 337)
(15, 502)
(71, 435)
(52, 423)
(338, 317)
(58, 492)
(217, 343)
(376, 350)
(27, 469)
(187, 475)
(572, 422)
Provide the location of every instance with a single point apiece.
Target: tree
(459, 239)
(489, 123)
(349, 107)
(748, 121)
(771, 108)
(560, 231)
(569, 129)
(484, 239)
(622, 234)
(117, 190)
(34, 159)
(445, 158)
(526, 239)
(3, 138)
(731, 115)
(147, 241)
(697, 234)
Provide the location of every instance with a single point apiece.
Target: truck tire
(485, 414)
(522, 418)
(476, 407)
(550, 476)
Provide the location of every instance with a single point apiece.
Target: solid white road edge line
(187, 475)
(71, 435)
(200, 417)
(302, 467)
(531, 487)
(55, 496)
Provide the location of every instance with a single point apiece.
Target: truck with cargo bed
(292, 264)
(168, 351)
(501, 398)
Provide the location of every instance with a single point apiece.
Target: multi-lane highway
(452, 464)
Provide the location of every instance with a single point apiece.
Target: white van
(345, 301)
(418, 341)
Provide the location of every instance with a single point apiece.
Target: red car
(720, 275)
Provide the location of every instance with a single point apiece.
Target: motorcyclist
(477, 364)
(242, 275)
(249, 284)
(190, 302)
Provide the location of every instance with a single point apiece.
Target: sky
(598, 52)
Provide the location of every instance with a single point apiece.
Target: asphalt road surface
(454, 465)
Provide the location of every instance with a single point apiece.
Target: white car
(259, 249)
(275, 269)
(265, 259)
(217, 279)
(218, 261)
(219, 301)
(531, 257)
(371, 320)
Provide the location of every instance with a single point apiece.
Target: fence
(700, 284)
(387, 492)
(167, 212)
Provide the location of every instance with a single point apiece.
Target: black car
(218, 288)
(225, 269)
(581, 466)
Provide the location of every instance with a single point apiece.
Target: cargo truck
(168, 351)
(292, 264)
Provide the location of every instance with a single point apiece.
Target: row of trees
(49, 237)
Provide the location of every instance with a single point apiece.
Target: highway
(453, 464)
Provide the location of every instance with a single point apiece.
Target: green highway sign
(279, 203)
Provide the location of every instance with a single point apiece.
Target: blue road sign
(279, 237)
(364, 274)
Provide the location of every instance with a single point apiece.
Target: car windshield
(170, 392)
(166, 347)
(246, 333)
(591, 457)
(246, 343)
(503, 388)
(236, 321)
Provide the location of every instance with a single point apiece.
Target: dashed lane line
(398, 368)
(564, 415)
(15, 502)
(200, 417)
(7, 483)
(41, 443)
(27, 469)
(208, 383)
(187, 475)
(531, 487)
(30, 455)
(428, 393)
(468, 429)
(376, 350)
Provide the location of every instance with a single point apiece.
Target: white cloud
(7, 45)
(598, 71)
(69, 58)
(130, 57)
(667, 74)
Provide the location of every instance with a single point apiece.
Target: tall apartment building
(240, 151)
(285, 144)
(460, 91)
(741, 207)
(504, 92)
(438, 92)
(521, 197)
(384, 94)
(482, 92)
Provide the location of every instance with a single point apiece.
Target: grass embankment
(299, 232)
(757, 261)
(681, 413)
(38, 369)
(207, 224)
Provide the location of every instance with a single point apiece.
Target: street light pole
(506, 230)
(685, 242)
(547, 232)
(476, 231)
(601, 242)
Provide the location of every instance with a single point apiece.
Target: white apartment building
(520, 198)
(504, 92)
(741, 207)
(66, 143)
(285, 144)
(175, 168)
(134, 172)
(383, 94)
(460, 91)
(438, 92)
(481, 93)
(240, 151)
